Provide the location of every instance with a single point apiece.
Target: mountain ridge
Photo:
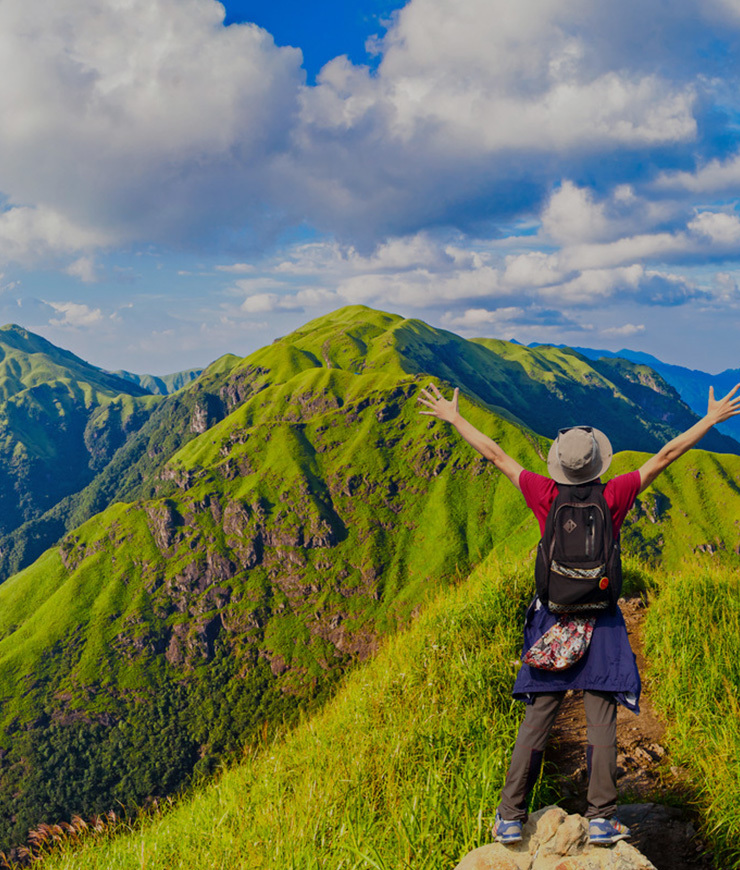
(692, 384)
(285, 512)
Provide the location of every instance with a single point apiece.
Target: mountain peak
(28, 359)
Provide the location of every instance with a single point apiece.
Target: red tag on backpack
(603, 583)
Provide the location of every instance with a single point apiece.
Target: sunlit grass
(401, 770)
(693, 642)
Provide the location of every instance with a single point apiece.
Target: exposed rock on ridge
(554, 840)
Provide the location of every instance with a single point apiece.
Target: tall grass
(692, 639)
(401, 770)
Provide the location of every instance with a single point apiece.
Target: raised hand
(719, 410)
(444, 409)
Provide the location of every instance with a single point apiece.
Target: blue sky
(180, 179)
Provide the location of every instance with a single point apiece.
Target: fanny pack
(562, 645)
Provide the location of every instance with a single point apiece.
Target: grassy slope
(309, 519)
(692, 508)
(293, 540)
(401, 769)
(132, 470)
(692, 637)
(61, 419)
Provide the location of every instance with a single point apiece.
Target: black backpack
(579, 568)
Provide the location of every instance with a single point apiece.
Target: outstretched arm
(717, 412)
(447, 409)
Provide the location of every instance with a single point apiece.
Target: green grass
(692, 639)
(401, 770)
(322, 501)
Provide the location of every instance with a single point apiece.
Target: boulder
(554, 840)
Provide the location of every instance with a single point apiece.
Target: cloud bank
(503, 166)
(151, 122)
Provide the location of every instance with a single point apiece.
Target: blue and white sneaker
(506, 832)
(604, 832)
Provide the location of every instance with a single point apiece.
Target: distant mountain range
(161, 385)
(692, 385)
(218, 557)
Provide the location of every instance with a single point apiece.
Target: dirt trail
(656, 791)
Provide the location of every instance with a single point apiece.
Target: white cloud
(572, 215)
(716, 176)
(75, 314)
(717, 227)
(472, 318)
(260, 303)
(147, 120)
(308, 297)
(625, 330)
(83, 268)
(236, 268)
(30, 234)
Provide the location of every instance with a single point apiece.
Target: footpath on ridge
(653, 793)
(662, 825)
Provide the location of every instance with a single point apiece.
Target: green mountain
(551, 387)
(267, 526)
(545, 388)
(132, 471)
(161, 385)
(61, 420)
(692, 384)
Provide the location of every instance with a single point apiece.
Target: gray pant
(601, 754)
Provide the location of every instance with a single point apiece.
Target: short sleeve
(539, 493)
(620, 494)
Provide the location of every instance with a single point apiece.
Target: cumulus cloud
(33, 234)
(75, 314)
(83, 268)
(169, 127)
(715, 176)
(310, 297)
(146, 120)
(625, 330)
(717, 227)
(506, 318)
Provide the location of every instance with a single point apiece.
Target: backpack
(579, 567)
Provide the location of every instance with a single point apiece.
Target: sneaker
(607, 831)
(506, 832)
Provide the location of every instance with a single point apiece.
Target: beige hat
(578, 455)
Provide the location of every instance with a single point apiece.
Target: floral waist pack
(563, 645)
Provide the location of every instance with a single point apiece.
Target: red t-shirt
(620, 493)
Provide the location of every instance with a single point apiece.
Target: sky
(181, 179)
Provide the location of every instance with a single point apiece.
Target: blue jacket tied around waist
(609, 664)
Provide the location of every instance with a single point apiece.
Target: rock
(554, 840)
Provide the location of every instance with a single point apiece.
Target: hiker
(588, 651)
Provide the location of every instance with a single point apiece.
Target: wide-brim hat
(578, 455)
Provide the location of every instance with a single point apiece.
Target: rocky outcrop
(242, 384)
(554, 840)
(163, 523)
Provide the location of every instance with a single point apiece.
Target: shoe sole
(508, 840)
(609, 841)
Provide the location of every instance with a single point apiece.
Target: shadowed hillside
(61, 420)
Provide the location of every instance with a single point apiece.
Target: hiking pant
(601, 754)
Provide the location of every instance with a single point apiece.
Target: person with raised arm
(574, 640)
